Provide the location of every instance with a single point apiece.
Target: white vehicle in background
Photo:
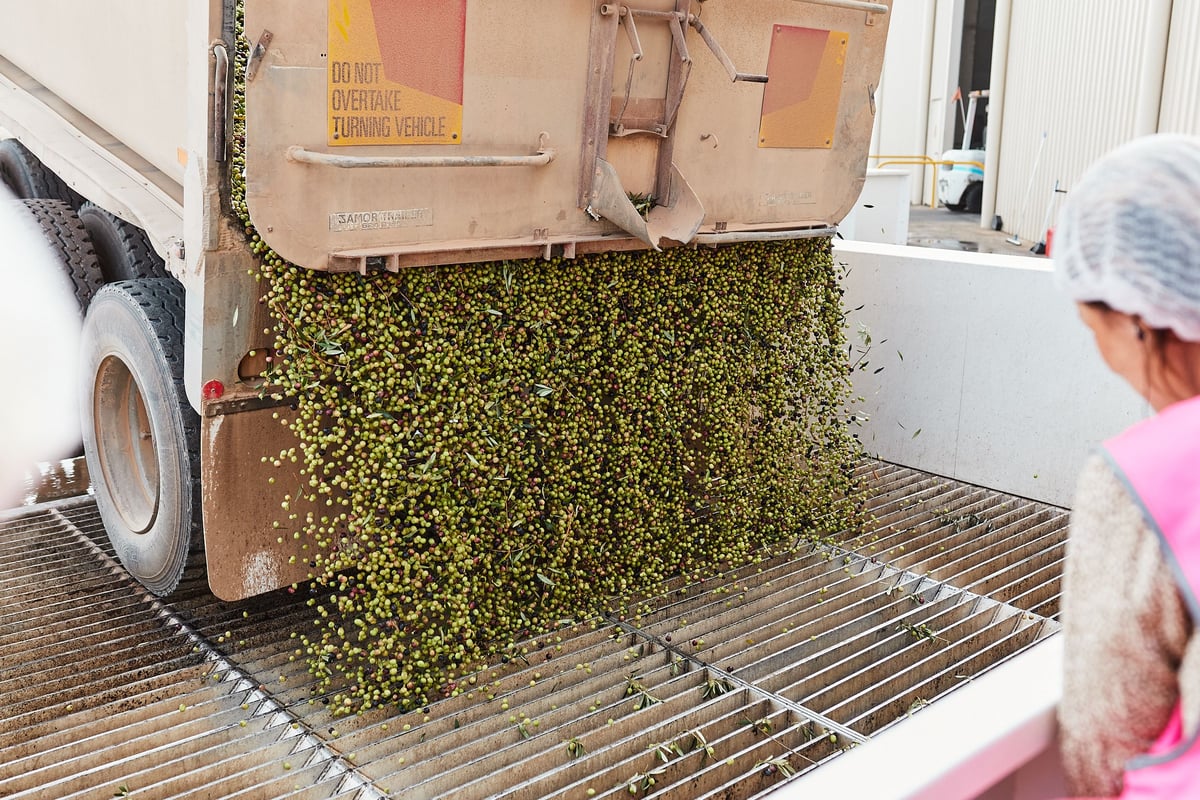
(960, 185)
(960, 176)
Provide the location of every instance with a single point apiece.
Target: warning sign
(396, 71)
(800, 102)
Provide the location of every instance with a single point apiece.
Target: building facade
(1068, 82)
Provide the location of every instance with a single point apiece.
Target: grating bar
(504, 746)
(113, 601)
(717, 689)
(684, 747)
(227, 671)
(718, 674)
(1003, 645)
(121, 695)
(928, 661)
(630, 751)
(815, 652)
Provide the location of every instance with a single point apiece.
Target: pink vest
(1159, 462)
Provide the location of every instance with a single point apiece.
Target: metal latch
(721, 55)
(677, 212)
(675, 21)
(257, 54)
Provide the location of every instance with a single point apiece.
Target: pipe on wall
(944, 77)
(1153, 67)
(995, 115)
(929, 12)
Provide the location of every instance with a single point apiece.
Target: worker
(39, 345)
(1127, 252)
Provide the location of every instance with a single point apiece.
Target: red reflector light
(213, 390)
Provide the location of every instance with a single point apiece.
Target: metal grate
(720, 689)
(103, 689)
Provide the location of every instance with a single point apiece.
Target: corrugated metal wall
(1181, 84)
(1081, 79)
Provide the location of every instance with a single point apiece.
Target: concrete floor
(948, 230)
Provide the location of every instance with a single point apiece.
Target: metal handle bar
(219, 112)
(857, 5)
(676, 19)
(922, 161)
(543, 156)
(722, 56)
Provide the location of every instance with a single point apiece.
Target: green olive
(491, 448)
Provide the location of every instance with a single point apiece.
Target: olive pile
(491, 450)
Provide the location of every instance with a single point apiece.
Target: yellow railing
(923, 161)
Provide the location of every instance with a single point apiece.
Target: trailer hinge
(256, 54)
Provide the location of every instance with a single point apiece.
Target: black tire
(971, 201)
(141, 437)
(123, 249)
(69, 241)
(28, 177)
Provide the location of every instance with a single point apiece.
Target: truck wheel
(972, 198)
(140, 435)
(69, 241)
(123, 249)
(28, 177)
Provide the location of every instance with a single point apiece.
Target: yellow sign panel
(800, 102)
(396, 71)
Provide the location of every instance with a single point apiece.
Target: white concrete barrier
(881, 212)
(978, 369)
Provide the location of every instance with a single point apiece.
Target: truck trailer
(381, 137)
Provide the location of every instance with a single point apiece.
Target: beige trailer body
(385, 135)
(552, 119)
(119, 64)
(100, 93)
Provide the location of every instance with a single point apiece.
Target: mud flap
(247, 555)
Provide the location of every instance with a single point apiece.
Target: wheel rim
(125, 441)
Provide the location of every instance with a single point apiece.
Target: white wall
(915, 110)
(903, 94)
(983, 356)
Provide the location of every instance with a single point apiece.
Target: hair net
(1129, 233)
